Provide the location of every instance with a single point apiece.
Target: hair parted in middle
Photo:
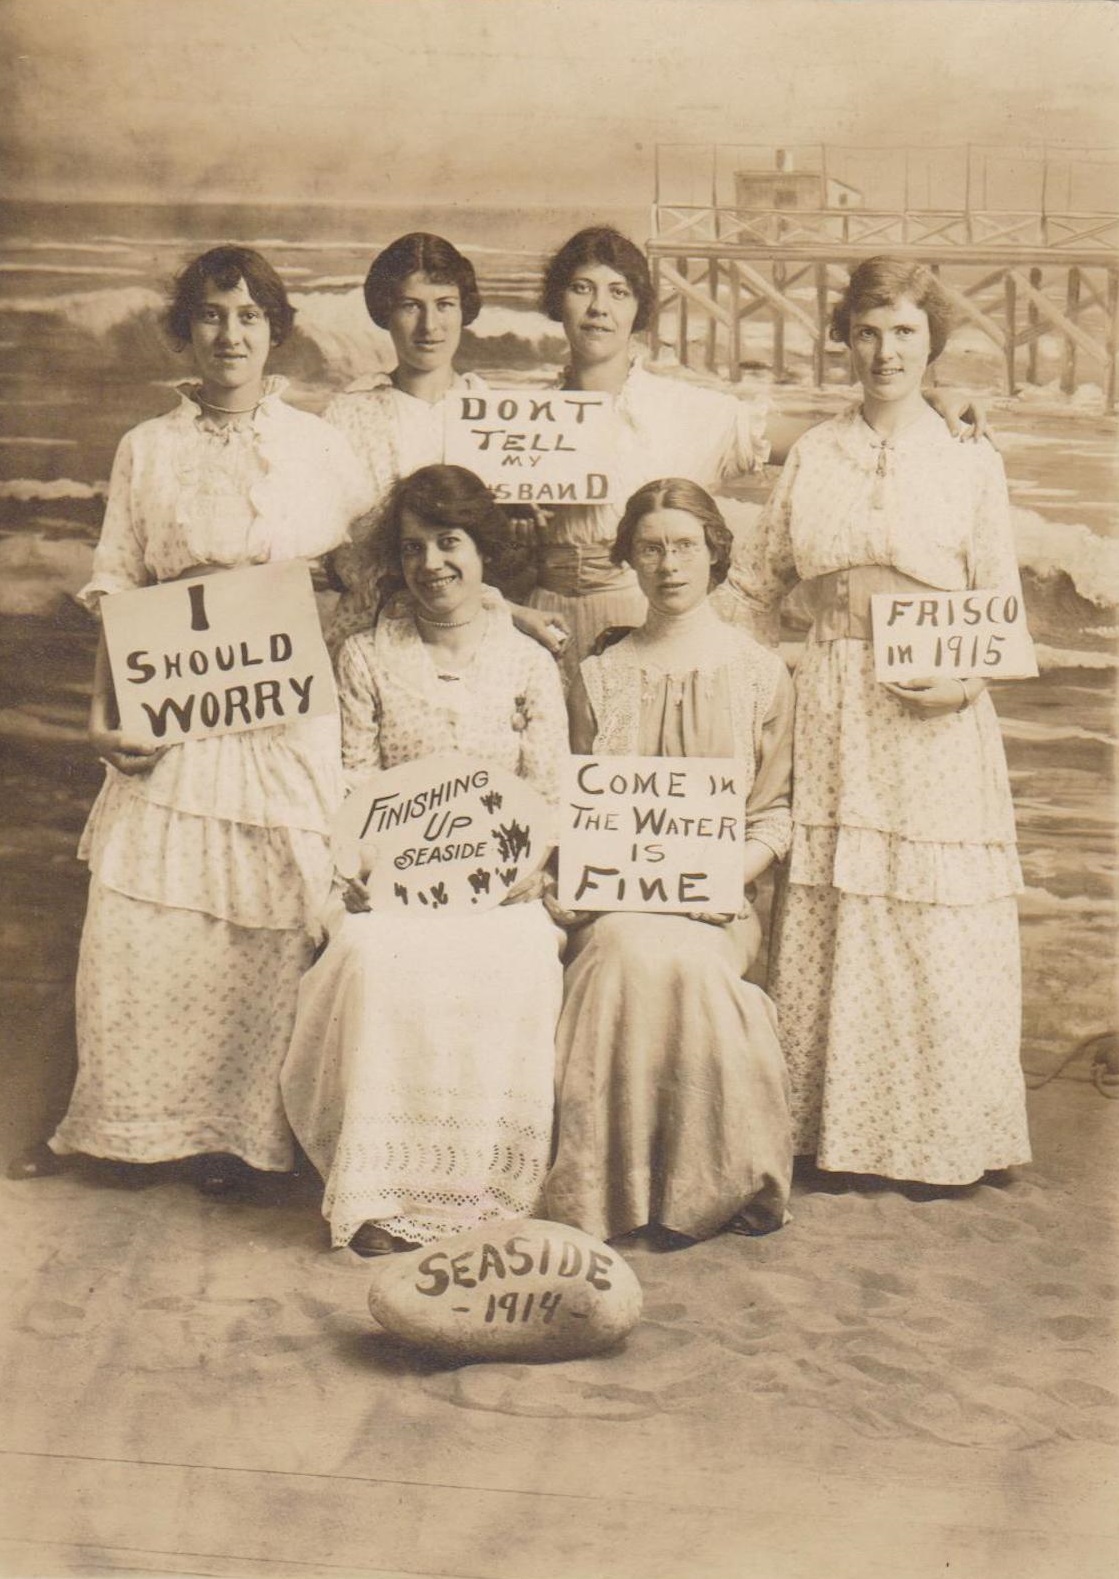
(677, 493)
(882, 281)
(419, 252)
(598, 244)
(440, 496)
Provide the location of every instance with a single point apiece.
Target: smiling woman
(895, 953)
(208, 858)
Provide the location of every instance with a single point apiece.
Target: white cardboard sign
(218, 654)
(532, 446)
(929, 635)
(442, 834)
(661, 834)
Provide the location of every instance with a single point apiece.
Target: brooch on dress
(519, 719)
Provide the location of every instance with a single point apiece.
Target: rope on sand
(1104, 1050)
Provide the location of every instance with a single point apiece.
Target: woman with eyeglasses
(671, 1087)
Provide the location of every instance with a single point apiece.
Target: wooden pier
(1017, 275)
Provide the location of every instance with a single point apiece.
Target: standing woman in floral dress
(895, 963)
(208, 859)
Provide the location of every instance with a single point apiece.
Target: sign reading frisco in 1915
(662, 834)
(927, 635)
(532, 446)
(218, 654)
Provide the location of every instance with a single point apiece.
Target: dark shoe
(37, 1162)
(220, 1173)
(373, 1240)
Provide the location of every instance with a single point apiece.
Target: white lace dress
(671, 1088)
(392, 434)
(420, 1077)
(206, 873)
(894, 962)
(663, 427)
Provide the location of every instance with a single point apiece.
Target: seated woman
(672, 1093)
(420, 1076)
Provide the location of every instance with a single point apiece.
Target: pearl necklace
(447, 625)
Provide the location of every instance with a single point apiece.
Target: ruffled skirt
(207, 877)
(894, 961)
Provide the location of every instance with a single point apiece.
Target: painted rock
(526, 1289)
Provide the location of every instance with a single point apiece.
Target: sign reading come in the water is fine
(930, 635)
(532, 446)
(443, 833)
(662, 834)
(218, 654)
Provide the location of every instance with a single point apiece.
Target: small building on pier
(1025, 243)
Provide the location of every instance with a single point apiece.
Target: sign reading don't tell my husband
(218, 654)
(662, 834)
(532, 446)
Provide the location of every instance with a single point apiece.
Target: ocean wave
(1032, 732)
(1050, 658)
(30, 488)
(1042, 902)
(1051, 548)
(68, 269)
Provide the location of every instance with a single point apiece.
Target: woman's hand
(965, 415)
(355, 894)
(712, 918)
(528, 888)
(568, 919)
(550, 630)
(127, 755)
(930, 698)
(526, 524)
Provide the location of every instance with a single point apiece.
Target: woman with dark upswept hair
(209, 859)
(894, 962)
(599, 288)
(420, 1077)
(424, 292)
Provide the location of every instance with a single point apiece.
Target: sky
(550, 102)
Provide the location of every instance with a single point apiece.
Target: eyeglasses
(656, 553)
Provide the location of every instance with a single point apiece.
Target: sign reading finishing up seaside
(958, 635)
(217, 654)
(663, 834)
(532, 446)
(442, 834)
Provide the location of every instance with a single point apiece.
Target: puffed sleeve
(118, 560)
(359, 703)
(768, 805)
(764, 568)
(994, 560)
(541, 709)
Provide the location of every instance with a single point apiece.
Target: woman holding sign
(424, 292)
(208, 859)
(599, 288)
(672, 1092)
(420, 1078)
(895, 962)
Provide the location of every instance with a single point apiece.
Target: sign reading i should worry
(931, 635)
(442, 834)
(218, 654)
(532, 446)
(662, 834)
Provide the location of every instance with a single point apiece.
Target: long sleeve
(764, 568)
(360, 706)
(544, 737)
(768, 805)
(993, 559)
(118, 561)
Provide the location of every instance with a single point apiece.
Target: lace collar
(191, 410)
